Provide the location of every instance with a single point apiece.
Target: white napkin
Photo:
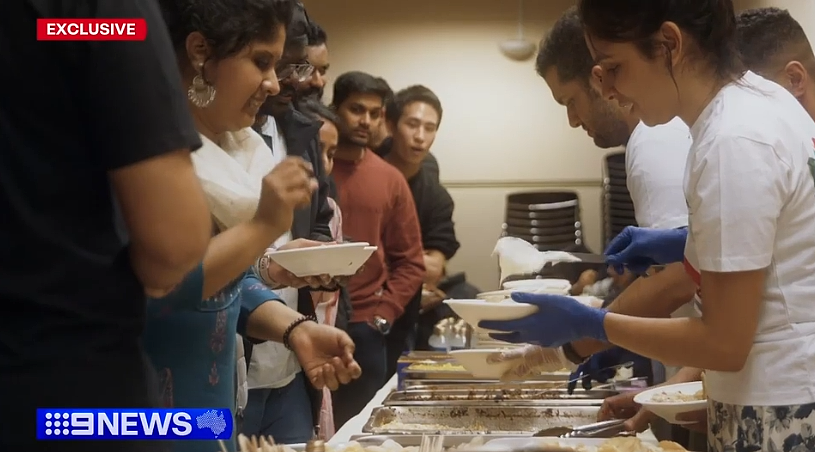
(519, 257)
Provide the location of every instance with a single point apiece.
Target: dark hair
(416, 93)
(315, 109)
(711, 23)
(316, 35)
(298, 24)
(565, 49)
(357, 82)
(227, 25)
(769, 38)
(386, 88)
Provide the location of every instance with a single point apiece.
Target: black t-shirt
(69, 113)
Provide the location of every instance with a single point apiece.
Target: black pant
(119, 379)
(371, 354)
(402, 334)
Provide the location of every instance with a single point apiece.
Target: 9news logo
(134, 424)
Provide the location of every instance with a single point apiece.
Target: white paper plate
(559, 286)
(669, 410)
(474, 311)
(336, 260)
(475, 361)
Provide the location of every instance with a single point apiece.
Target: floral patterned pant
(735, 428)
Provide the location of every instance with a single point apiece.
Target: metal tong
(602, 429)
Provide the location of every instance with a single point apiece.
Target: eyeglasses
(298, 72)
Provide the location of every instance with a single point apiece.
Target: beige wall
(502, 132)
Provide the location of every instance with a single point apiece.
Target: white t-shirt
(273, 365)
(751, 202)
(655, 160)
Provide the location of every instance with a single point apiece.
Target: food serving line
(430, 395)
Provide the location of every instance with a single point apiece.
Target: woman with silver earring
(191, 334)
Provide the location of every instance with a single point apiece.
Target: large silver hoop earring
(200, 92)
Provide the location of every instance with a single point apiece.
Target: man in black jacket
(281, 403)
(413, 116)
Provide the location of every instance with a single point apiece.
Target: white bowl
(474, 311)
(556, 286)
(475, 361)
(669, 410)
(336, 260)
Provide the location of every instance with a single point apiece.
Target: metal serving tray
(480, 385)
(449, 420)
(416, 440)
(513, 397)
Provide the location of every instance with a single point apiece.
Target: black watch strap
(570, 354)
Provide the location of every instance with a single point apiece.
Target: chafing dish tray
(513, 397)
(473, 420)
(367, 439)
(479, 385)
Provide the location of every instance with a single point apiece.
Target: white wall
(502, 132)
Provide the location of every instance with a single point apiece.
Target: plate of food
(671, 400)
(474, 311)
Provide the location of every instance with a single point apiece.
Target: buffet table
(355, 424)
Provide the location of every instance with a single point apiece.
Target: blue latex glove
(596, 368)
(559, 320)
(640, 248)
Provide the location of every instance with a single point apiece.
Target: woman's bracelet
(293, 325)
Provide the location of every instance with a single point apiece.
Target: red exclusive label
(91, 29)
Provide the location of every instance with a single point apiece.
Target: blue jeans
(371, 355)
(284, 413)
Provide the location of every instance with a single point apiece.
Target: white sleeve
(655, 180)
(735, 190)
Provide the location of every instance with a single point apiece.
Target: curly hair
(316, 35)
(228, 26)
(769, 38)
(565, 49)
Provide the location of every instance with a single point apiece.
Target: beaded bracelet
(295, 324)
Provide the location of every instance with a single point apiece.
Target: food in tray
(435, 366)
(397, 426)
(674, 397)
(392, 446)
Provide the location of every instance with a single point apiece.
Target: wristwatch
(382, 325)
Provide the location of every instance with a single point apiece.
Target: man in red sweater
(377, 207)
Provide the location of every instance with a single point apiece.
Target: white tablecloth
(355, 424)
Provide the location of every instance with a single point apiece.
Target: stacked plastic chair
(618, 208)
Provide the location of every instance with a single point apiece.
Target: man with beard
(281, 402)
(317, 57)
(377, 207)
(655, 162)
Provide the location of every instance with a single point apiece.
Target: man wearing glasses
(281, 402)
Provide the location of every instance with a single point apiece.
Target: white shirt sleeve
(655, 165)
(735, 190)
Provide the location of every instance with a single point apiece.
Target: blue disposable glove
(559, 320)
(641, 248)
(596, 368)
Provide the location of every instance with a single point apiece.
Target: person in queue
(655, 160)
(230, 74)
(313, 87)
(750, 193)
(281, 401)
(326, 304)
(98, 208)
(413, 117)
(377, 208)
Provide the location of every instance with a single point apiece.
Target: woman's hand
(287, 187)
(699, 419)
(559, 320)
(285, 278)
(622, 406)
(641, 248)
(326, 354)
